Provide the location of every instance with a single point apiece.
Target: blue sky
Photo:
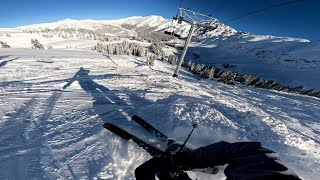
(295, 20)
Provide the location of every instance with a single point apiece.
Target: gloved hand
(169, 167)
(183, 160)
(163, 167)
(183, 176)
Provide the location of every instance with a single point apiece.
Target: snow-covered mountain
(157, 23)
(134, 22)
(151, 21)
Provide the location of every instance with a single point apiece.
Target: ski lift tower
(194, 19)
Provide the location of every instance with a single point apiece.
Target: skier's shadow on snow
(103, 98)
(106, 104)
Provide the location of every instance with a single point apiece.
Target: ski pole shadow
(14, 140)
(3, 63)
(107, 56)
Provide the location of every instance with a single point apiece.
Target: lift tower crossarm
(195, 17)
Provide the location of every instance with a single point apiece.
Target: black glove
(183, 176)
(183, 160)
(168, 169)
(163, 167)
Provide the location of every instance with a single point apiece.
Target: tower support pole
(186, 45)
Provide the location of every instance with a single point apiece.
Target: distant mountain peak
(68, 19)
(155, 22)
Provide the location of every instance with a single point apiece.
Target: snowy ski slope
(52, 111)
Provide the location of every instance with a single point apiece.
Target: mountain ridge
(156, 22)
(132, 20)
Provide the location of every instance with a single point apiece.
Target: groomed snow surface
(54, 102)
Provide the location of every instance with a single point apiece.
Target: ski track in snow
(53, 104)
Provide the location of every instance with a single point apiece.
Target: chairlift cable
(180, 3)
(173, 21)
(263, 9)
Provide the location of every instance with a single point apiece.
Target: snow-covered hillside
(292, 61)
(54, 102)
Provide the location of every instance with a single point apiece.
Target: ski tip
(135, 116)
(106, 125)
(138, 119)
(118, 131)
(110, 126)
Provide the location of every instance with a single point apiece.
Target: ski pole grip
(195, 125)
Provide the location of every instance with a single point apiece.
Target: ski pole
(181, 148)
(193, 127)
